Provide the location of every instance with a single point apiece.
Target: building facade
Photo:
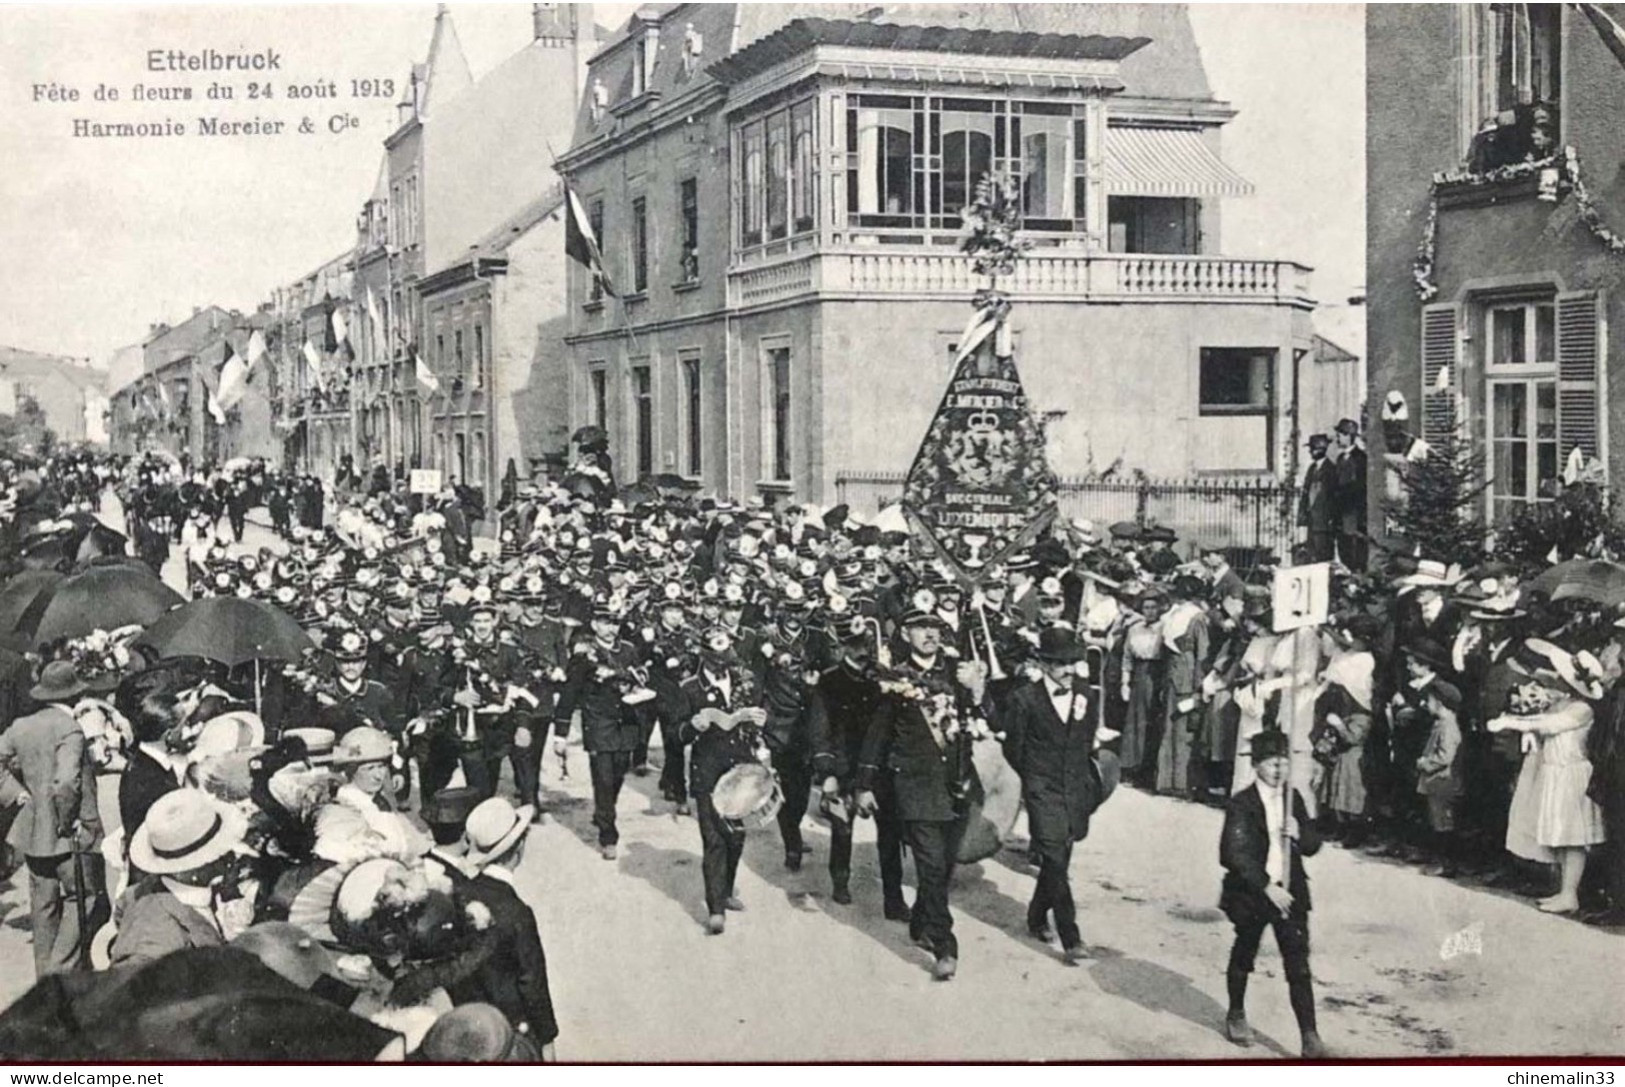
(71, 397)
(778, 203)
(1490, 266)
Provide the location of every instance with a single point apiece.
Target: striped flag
(1612, 34)
(981, 324)
(256, 348)
(233, 379)
(373, 314)
(314, 362)
(213, 404)
(581, 244)
(341, 331)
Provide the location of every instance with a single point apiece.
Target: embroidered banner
(980, 486)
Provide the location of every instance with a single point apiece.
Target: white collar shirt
(1274, 821)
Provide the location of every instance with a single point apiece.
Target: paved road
(797, 977)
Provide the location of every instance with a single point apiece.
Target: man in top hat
(514, 977)
(1315, 507)
(601, 673)
(185, 848)
(723, 684)
(839, 709)
(1050, 741)
(42, 760)
(928, 770)
(1262, 850)
(1349, 496)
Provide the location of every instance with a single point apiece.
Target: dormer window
(643, 62)
(599, 102)
(693, 46)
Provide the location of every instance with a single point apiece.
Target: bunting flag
(1612, 34)
(314, 362)
(233, 379)
(167, 404)
(981, 486)
(425, 376)
(341, 330)
(581, 244)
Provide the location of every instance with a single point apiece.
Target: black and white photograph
(823, 533)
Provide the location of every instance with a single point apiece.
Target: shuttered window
(1438, 357)
(1579, 351)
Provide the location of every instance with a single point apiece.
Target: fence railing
(1244, 515)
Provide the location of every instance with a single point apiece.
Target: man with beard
(840, 707)
(721, 688)
(909, 739)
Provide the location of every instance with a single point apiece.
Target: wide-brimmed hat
(319, 742)
(1057, 645)
(1582, 671)
(1500, 607)
(184, 830)
(1427, 651)
(363, 745)
(493, 828)
(1430, 574)
(476, 1034)
(58, 682)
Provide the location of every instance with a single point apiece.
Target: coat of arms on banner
(980, 486)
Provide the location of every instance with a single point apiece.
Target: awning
(1167, 162)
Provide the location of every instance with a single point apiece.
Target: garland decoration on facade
(1556, 175)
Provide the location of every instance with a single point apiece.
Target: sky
(102, 237)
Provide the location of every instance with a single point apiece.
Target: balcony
(922, 272)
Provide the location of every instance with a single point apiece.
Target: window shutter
(1438, 354)
(1579, 350)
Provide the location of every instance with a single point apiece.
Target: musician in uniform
(426, 704)
(1050, 739)
(1262, 851)
(720, 742)
(598, 678)
(483, 684)
(839, 709)
(909, 738)
(350, 698)
(545, 641)
(668, 647)
(786, 672)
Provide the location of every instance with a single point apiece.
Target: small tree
(1579, 522)
(1437, 512)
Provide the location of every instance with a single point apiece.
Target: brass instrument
(994, 671)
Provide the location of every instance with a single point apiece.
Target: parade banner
(980, 486)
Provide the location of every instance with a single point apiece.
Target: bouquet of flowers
(101, 657)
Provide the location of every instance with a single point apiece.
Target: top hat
(1270, 744)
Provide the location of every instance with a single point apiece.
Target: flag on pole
(581, 244)
(163, 398)
(256, 348)
(425, 376)
(314, 361)
(1612, 34)
(977, 329)
(233, 380)
(373, 314)
(213, 404)
(341, 331)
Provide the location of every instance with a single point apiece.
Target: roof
(1328, 352)
(187, 338)
(516, 225)
(16, 362)
(804, 34)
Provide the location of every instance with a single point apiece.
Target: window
(913, 162)
(477, 475)
(440, 353)
(1522, 335)
(688, 204)
(640, 245)
(1153, 224)
(778, 172)
(692, 416)
(1236, 381)
(643, 415)
(750, 185)
(647, 50)
(479, 356)
(595, 219)
(1523, 442)
(460, 465)
(1511, 87)
(778, 386)
(457, 353)
(803, 186)
(598, 385)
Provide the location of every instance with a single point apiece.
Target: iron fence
(1241, 515)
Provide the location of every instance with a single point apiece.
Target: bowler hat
(1058, 645)
(1270, 744)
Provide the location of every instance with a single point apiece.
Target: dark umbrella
(1599, 581)
(23, 590)
(1573, 571)
(100, 598)
(198, 1004)
(230, 630)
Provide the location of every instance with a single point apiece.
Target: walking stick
(79, 902)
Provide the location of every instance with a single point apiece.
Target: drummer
(722, 684)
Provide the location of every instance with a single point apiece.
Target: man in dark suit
(514, 977)
(839, 710)
(1349, 496)
(149, 701)
(1315, 509)
(1262, 851)
(909, 741)
(43, 754)
(1050, 742)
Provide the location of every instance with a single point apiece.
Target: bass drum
(993, 807)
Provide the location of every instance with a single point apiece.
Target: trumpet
(882, 650)
(994, 670)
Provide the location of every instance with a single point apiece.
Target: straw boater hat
(185, 830)
(1430, 574)
(319, 742)
(492, 829)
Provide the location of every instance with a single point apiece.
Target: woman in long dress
(1552, 818)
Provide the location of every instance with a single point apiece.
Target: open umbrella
(1552, 578)
(21, 591)
(99, 598)
(1597, 580)
(231, 630)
